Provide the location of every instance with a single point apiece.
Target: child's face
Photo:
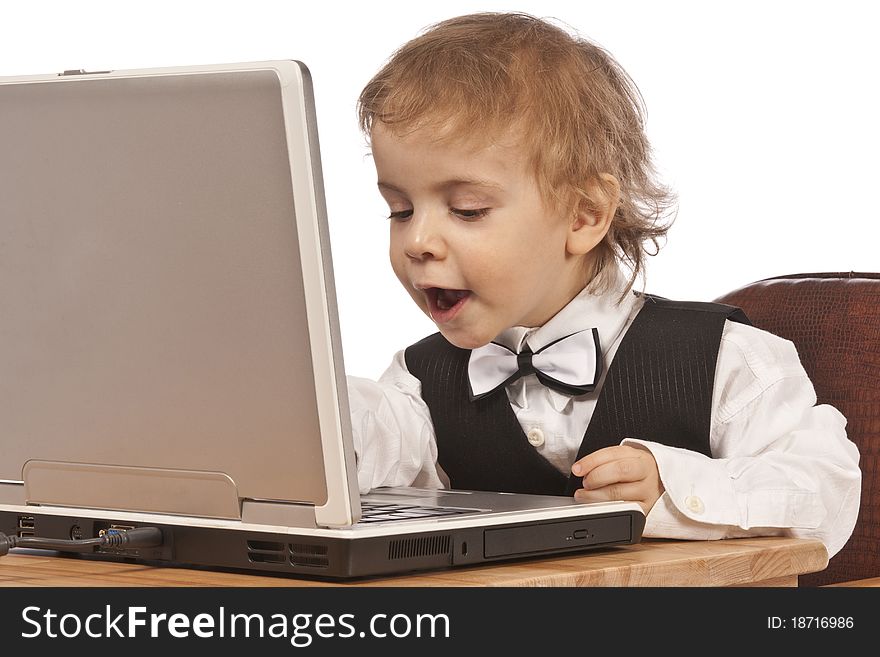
(472, 240)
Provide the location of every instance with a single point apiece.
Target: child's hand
(619, 473)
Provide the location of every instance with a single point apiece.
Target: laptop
(170, 352)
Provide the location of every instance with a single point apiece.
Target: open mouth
(444, 304)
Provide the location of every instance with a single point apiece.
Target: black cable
(139, 537)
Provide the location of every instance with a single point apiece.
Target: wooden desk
(739, 562)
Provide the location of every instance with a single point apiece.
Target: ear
(592, 218)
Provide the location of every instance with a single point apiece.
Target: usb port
(25, 526)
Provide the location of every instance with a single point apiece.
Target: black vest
(658, 388)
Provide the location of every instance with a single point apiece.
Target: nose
(423, 238)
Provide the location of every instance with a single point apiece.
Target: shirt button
(694, 503)
(535, 436)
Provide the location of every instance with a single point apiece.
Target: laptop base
(348, 555)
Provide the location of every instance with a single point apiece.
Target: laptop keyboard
(382, 512)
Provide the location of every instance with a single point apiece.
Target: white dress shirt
(781, 464)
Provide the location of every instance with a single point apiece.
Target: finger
(600, 457)
(616, 492)
(618, 471)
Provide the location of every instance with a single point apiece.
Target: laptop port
(113, 529)
(25, 526)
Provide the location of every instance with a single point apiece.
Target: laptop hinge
(284, 514)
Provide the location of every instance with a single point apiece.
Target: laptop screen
(156, 312)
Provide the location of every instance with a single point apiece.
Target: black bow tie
(571, 365)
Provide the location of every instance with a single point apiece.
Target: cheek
(399, 270)
(516, 252)
(396, 254)
(546, 245)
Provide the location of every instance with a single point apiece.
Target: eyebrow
(448, 184)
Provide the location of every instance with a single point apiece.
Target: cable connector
(6, 543)
(133, 538)
(138, 537)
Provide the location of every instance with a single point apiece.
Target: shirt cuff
(701, 499)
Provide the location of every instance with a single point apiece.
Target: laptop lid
(148, 362)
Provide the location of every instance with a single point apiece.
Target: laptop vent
(422, 546)
(266, 552)
(303, 554)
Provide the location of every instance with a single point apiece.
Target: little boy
(513, 159)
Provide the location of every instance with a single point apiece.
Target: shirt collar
(590, 308)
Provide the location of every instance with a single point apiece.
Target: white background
(763, 117)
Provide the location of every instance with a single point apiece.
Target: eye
(470, 214)
(401, 215)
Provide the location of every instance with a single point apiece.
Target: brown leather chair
(834, 321)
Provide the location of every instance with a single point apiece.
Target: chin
(464, 340)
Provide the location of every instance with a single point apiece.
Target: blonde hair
(578, 112)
